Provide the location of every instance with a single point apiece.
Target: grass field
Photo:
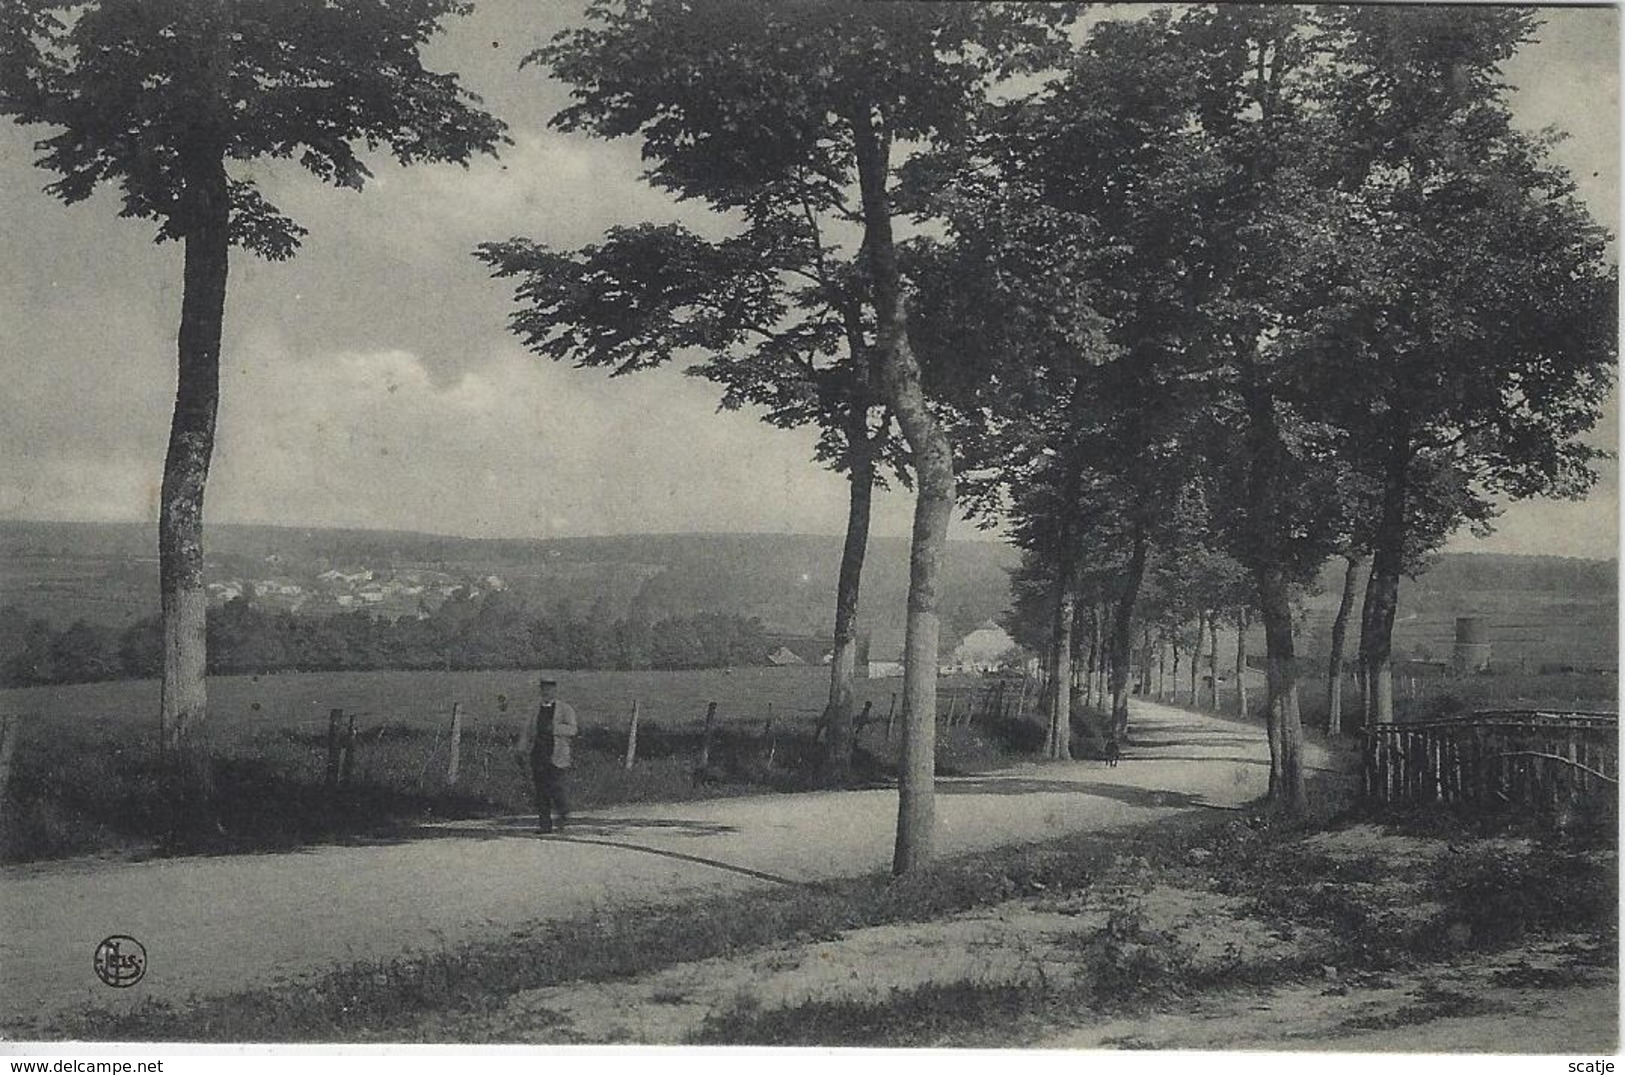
(242, 706)
(1435, 697)
(1443, 696)
(86, 776)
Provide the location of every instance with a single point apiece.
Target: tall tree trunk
(1058, 741)
(1362, 680)
(932, 457)
(1123, 634)
(183, 601)
(843, 661)
(1091, 672)
(1376, 644)
(1269, 555)
(1382, 591)
(1173, 680)
(1340, 628)
(1213, 660)
(1287, 788)
(1148, 653)
(1063, 630)
(1102, 658)
(1270, 540)
(1196, 660)
(1242, 623)
(1080, 627)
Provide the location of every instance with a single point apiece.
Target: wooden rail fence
(1542, 759)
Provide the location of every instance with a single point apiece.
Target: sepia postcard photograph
(703, 526)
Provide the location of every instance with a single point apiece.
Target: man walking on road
(544, 743)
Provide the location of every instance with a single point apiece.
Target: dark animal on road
(1113, 752)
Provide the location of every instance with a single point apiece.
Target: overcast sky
(371, 381)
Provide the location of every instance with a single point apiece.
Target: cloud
(370, 381)
(561, 189)
(511, 447)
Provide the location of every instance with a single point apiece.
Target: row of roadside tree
(1216, 292)
(1192, 300)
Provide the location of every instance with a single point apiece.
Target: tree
(1194, 583)
(1092, 183)
(735, 99)
(1354, 564)
(1253, 212)
(160, 98)
(1170, 146)
(781, 320)
(1057, 409)
(1180, 149)
(1008, 348)
(1470, 327)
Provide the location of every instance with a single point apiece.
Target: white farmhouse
(983, 650)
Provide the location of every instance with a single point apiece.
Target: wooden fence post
(335, 725)
(632, 737)
(11, 730)
(456, 761)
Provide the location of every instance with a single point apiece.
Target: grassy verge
(103, 789)
(1342, 923)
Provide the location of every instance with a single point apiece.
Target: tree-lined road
(214, 925)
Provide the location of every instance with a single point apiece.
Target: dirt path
(1547, 993)
(1464, 1006)
(217, 924)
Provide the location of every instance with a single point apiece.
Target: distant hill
(107, 572)
(1541, 609)
(1552, 611)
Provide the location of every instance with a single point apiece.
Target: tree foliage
(137, 85)
(494, 631)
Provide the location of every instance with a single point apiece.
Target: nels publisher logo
(120, 961)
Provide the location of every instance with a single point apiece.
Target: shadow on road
(1237, 759)
(1133, 796)
(506, 828)
(587, 825)
(718, 864)
(604, 832)
(1201, 741)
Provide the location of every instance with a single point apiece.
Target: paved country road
(220, 924)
